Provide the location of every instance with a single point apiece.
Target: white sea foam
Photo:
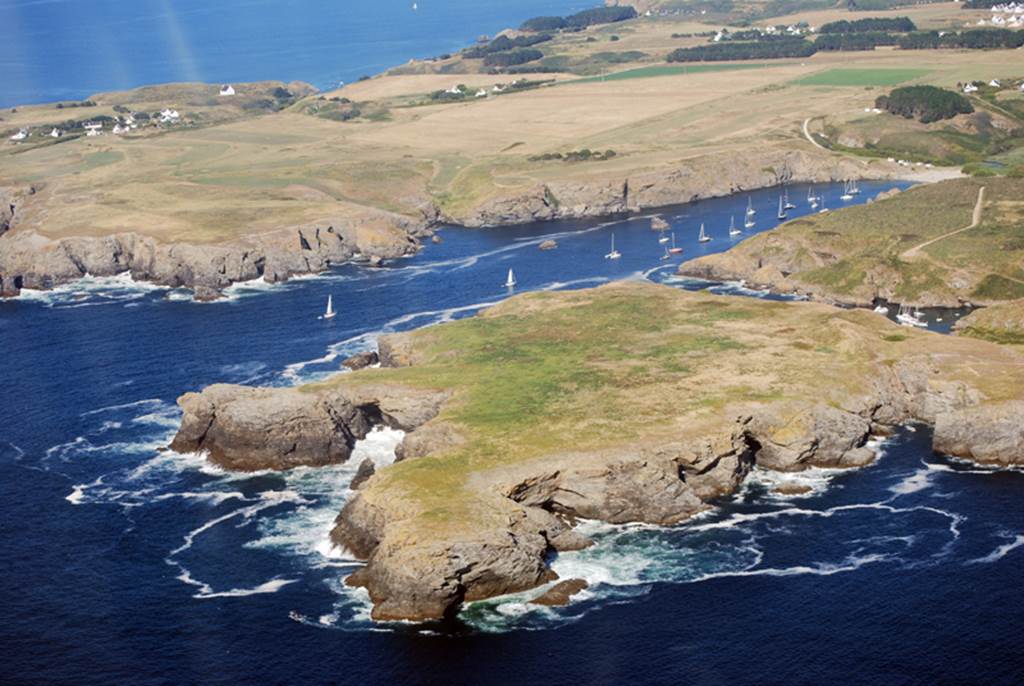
(92, 290)
(1000, 552)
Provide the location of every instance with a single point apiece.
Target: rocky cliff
(30, 260)
(479, 500)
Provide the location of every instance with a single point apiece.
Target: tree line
(580, 20)
(925, 103)
(870, 24)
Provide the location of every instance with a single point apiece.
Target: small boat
(787, 205)
(882, 309)
(853, 188)
(733, 231)
(782, 209)
(749, 224)
(812, 199)
(511, 280)
(703, 237)
(750, 207)
(663, 239)
(846, 192)
(614, 254)
(674, 250)
(329, 314)
(908, 317)
(823, 209)
(666, 255)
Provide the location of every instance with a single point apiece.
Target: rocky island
(627, 403)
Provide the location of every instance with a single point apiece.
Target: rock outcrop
(561, 593)
(31, 260)
(249, 429)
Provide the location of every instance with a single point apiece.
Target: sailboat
(846, 192)
(674, 250)
(853, 187)
(666, 255)
(703, 237)
(663, 239)
(823, 209)
(733, 231)
(511, 280)
(614, 254)
(750, 207)
(812, 199)
(782, 209)
(329, 314)
(907, 317)
(787, 205)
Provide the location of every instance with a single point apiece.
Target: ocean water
(125, 563)
(61, 49)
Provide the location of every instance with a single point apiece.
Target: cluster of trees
(718, 52)
(83, 103)
(503, 43)
(925, 103)
(854, 41)
(580, 20)
(975, 39)
(510, 58)
(981, 4)
(898, 24)
(584, 155)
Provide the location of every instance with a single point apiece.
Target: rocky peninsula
(627, 403)
(947, 244)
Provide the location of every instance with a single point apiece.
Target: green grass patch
(668, 70)
(861, 77)
(995, 287)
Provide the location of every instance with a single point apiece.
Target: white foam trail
(85, 291)
(1000, 552)
(111, 408)
(918, 481)
(816, 480)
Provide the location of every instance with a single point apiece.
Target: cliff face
(30, 260)
(691, 180)
(480, 498)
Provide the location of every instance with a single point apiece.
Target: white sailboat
(787, 205)
(614, 254)
(853, 187)
(703, 237)
(329, 314)
(782, 209)
(749, 223)
(750, 207)
(674, 250)
(663, 240)
(908, 317)
(846, 192)
(511, 280)
(812, 199)
(666, 255)
(733, 231)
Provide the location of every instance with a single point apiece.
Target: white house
(56, 133)
(482, 93)
(20, 136)
(121, 130)
(227, 89)
(93, 128)
(454, 90)
(94, 132)
(970, 88)
(994, 83)
(168, 116)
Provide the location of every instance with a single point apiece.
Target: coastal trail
(809, 137)
(975, 220)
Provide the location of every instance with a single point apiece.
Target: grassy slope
(629, 364)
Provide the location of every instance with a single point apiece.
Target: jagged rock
(992, 433)
(435, 239)
(248, 429)
(361, 360)
(548, 245)
(395, 350)
(561, 593)
(365, 470)
(825, 437)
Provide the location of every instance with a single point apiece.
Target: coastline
(29, 260)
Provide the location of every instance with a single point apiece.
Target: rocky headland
(627, 403)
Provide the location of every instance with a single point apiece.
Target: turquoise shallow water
(123, 564)
(62, 49)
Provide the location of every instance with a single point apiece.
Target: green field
(667, 70)
(861, 77)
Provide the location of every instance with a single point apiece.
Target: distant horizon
(104, 47)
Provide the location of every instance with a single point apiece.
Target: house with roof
(21, 135)
(227, 89)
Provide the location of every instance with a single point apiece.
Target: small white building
(454, 90)
(56, 133)
(994, 83)
(120, 130)
(20, 136)
(93, 128)
(970, 88)
(227, 89)
(482, 93)
(169, 116)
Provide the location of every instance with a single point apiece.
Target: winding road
(808, 136)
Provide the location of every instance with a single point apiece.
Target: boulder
(561, 593)
(361, 360)
(548, 245)
(365, 471)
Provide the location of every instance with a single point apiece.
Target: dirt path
(809, 137)
(975, 220)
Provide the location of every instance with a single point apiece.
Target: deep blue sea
(64, 49)
(122, 564)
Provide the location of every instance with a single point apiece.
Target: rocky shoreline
(523, 512)
(33, 261)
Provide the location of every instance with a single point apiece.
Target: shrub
(509, 58)
(926, 103)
